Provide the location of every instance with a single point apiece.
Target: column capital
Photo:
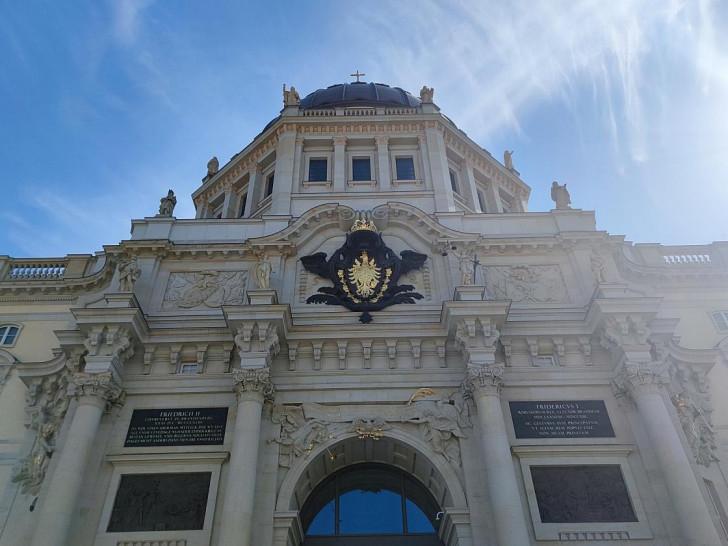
(421, 138)
(98, 389)
(637, 378)
(481, 380)
(339, 141)
(381, 140)
(254, 384)
(300, 140)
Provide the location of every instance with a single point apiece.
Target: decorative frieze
(439, 420)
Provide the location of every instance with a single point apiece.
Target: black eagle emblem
(365, 272)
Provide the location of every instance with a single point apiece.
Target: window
(317, 170)
(370, 500)
(544, 361)
(188, 368)
(8, 335)
(454, 181)
(243, 203)
(269, 184)
(721, 320)
(481, 200)
(405, 168)
(361, 168)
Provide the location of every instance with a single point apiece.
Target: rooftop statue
(291, 96)
(167, 204)
(508, 159)
(213, 166)
(427, 94)
(560, 196)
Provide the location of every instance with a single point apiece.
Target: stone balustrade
(715, 254)
(35, 270)
(48, 269)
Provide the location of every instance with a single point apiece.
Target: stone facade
(193, 320)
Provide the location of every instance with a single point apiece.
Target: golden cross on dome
(357, 75)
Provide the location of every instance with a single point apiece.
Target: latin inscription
(177, 427)
(561, 419)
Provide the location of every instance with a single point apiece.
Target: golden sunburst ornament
(365, 275)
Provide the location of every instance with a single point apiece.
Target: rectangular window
(243, 203)
(317, 170)
(405, 168)
(361, 168)
(454, 181)
(269, 184)
(188, 368)
(481, 201)
(544, 361)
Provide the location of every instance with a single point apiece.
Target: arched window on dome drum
(370, 501)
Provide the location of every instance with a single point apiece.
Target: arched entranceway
(407, 456)
(363, 502)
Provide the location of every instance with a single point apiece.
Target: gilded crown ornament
(364, 224)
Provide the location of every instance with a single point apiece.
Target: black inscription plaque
(160, 502)
(561, 419)
(582, 494)
(177, 427)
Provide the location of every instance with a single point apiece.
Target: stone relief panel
(439, 421)
(582, 494)
(204, 289)
(689, 394)
(160, 502)
(526, 283)
(47, 406)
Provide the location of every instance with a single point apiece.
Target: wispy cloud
(508, 58)
(126, 22)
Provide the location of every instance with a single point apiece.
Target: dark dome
(359, 94)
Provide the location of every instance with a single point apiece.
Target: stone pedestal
(483, 384)
(94, 392)
(469, 293)
(253, 388)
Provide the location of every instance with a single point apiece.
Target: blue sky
(104, 105)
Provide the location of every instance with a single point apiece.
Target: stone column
(484, 384)
(94, 393)
(297, 164)
(427, 170)
(641, 382)
(254, 190)
(385, 173)
(230, 204)
(252, 388)
(437, 153)
(339, 174)
(283, 181)
(470, 186)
